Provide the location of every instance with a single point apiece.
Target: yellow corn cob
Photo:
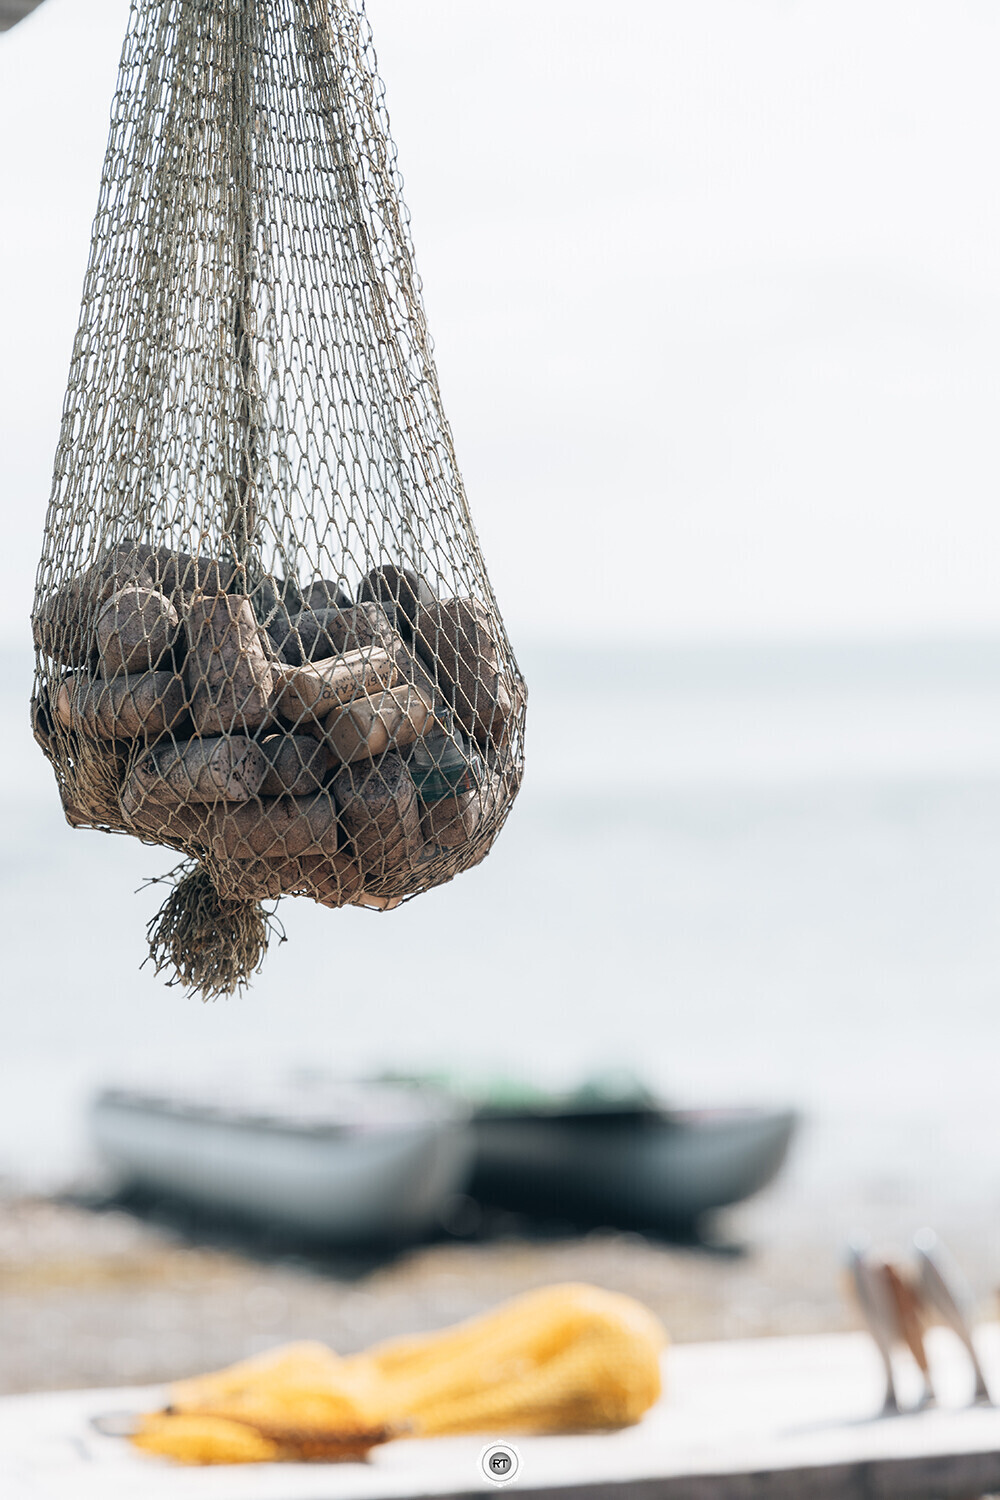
(299, 1394)
(295, 1407)
(203, 1440)
(562, 1358)
(599, 1382)
(301, 1362)
(209, 1438)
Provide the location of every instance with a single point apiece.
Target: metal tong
(897, 1303)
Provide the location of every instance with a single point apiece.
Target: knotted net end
(209, 943)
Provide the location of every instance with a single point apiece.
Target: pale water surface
(754, 873)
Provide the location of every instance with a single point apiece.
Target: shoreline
(105, 1298)
(93, 1293)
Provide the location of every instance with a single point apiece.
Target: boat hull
(637, 1171)
(338, 1186)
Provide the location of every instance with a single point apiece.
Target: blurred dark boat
(616, 1156)
(343, 1163)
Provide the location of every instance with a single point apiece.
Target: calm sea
(753, 874)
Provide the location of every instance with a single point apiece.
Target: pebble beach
(103, 1297)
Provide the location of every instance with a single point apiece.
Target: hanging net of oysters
(265, 633)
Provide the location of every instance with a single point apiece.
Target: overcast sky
(715, 289)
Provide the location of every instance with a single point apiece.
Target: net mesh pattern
(265, 633)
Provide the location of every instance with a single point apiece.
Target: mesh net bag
(265, 634)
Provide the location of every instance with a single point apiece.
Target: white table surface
(754, 1418)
